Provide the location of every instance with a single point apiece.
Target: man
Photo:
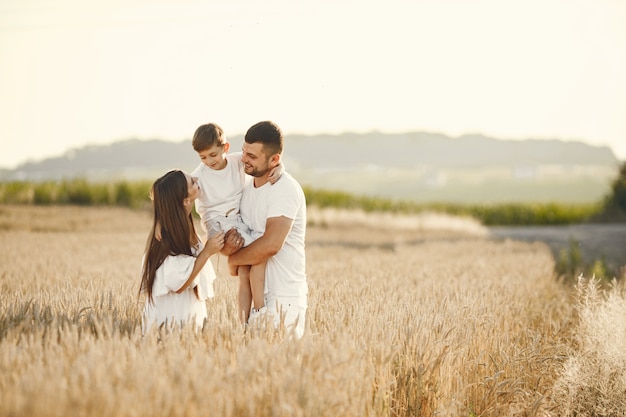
(277, 213)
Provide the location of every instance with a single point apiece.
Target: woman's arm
(213, 245)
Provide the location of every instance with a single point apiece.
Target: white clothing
(221, 190)
(225, 223)
(292, 308)
(285, 272)
(170, 307)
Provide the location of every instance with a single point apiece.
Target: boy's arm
(268, 245)
(276, 173)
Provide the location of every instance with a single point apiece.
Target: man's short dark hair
(269, 134)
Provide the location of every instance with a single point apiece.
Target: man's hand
(232, 242)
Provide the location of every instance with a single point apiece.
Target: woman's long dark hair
(172, 222)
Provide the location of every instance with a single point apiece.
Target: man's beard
(255, 172)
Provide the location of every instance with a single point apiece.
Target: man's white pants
(291, 309)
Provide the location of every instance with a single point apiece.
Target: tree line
(135, 194)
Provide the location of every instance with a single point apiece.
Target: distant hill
(417, 166)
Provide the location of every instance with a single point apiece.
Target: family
(251, 210)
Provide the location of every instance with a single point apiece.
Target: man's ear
(275, 160)
(226, 146)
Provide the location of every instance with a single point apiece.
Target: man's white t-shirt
(285, 274)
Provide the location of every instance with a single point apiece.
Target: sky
(76, 73)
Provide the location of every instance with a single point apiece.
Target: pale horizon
(77, 74)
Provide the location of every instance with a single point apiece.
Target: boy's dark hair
(269, 134)
(206, 136)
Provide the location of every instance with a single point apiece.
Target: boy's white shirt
(220, 189)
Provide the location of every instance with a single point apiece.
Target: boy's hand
(275, 173)
(232, 242)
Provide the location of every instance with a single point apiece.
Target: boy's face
(215, 156)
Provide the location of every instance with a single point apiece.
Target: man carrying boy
(222, 179)
(278, 212)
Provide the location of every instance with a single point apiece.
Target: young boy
(222, 179)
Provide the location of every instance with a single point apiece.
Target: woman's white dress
(170, 307)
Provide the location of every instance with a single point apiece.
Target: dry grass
(593, 381)
(402, 322)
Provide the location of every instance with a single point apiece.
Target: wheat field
(414, 316)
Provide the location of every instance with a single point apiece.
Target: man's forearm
(253, 254)
(266, 246)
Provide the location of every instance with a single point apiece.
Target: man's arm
(268, 245)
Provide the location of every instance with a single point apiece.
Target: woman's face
(193, 189)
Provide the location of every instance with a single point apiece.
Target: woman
(177, 276)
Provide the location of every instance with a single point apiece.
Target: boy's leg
(257, 285)
(245, 295)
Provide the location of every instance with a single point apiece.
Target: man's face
(215, 156)
(255, 162)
